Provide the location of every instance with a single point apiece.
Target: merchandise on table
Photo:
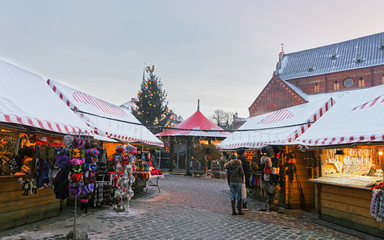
(358, 167)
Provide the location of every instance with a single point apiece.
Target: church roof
(353, 54)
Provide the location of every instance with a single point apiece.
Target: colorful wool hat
(92, 152)
(120, 148)
(77, 168)
(88, 188)
(91, 166)
(78, 143)
(68, 139)
(62, 160)
(75, 177)
(74, 191)
(76, 161)
(77, 153)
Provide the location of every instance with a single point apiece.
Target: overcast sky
(221, 52)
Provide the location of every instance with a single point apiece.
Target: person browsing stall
(235, 176)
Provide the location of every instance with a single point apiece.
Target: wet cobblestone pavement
(186, 208)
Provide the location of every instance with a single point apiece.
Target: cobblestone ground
(186, 208)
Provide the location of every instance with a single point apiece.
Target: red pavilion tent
(196, 125)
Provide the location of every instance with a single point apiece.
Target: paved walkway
(186, 208)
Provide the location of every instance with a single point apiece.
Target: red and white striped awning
(25, 99)
(357, 117)
(281, 127)
(106, 119)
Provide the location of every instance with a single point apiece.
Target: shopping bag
(243, 189)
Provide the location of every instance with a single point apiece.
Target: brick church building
(353, 64)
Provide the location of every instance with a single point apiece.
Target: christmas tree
(151, 105)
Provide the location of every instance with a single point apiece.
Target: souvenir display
(350, 166)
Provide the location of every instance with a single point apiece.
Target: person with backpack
(235, 176)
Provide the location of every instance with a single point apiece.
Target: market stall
(279, 129)
(116, 124)
(32, 124)
(195, 130)
(348, 143)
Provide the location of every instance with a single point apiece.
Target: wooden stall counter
(17, 209)
(347, 205)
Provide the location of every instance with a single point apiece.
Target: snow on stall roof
(280, 127)
(356, 117)
(116, 129)
(26, 99)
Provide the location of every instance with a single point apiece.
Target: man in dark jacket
(246, 168)
(235, 175)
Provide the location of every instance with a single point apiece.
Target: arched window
(382, 79)
(336, 86)
(361, 82)
(317, 88)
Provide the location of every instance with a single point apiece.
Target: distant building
(353, 64)
(237, 122)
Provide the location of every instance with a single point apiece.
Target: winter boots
(245, 208)
(233, 202)
(240, 207)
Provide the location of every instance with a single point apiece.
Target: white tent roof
(356, 117)
(105, 118)
(281, 127)
(26, 99)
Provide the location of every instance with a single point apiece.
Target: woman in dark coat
(246, 168)
(235, 175)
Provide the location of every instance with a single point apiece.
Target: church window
(361, 82)
(336, 86)
(317, 88)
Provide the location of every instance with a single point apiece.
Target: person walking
(246, 169)
(235, 176)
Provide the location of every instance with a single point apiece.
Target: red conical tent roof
(198, 122)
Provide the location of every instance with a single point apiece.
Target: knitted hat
(76, 161)
(68, 139)
(77, 153)
(91, 166)
(75, 177)
(120, 148)
(88, 188)
(62, 160)
(74, 191)
(78, 143)
(92, 152)
(77, 168)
